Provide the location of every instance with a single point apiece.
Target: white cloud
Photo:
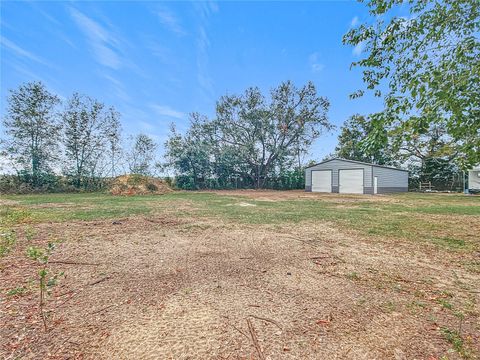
(358, 49)
(22, 53)
(170, 21)
(354, 22)
(204, 10)
(145, 126)
(117, 87)
(203, 76)
(315, 64)
(104, 44)
(164, 110)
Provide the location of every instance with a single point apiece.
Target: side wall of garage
(474, 179)
(335, 166)
(390, 180)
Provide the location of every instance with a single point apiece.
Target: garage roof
(357, 162)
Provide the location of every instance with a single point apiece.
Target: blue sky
(156, 62)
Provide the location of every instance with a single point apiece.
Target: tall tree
(113, 134)
(32, 128)
(141, 155)
(430, 156)
(265, 133)
(191, 154)
(351, 143)
(85, 127)
(429, 64)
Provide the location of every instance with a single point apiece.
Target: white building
(474, 179)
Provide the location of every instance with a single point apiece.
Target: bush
(151, 187)
(25, 183)
(288, 180)
(185, 182)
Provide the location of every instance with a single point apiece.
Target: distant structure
(474, 180)
(354, 177)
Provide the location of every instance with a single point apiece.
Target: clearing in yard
(242, 274)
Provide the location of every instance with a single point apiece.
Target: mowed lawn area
(242, 274)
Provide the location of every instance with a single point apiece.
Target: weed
(361, 302)
(455, 339)
(8, 237)
(18, 291)
(389, 306)
(445, 304)
(30, 233)
(415, 306)
(353, 276)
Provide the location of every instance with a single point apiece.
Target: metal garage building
(474, 179)
(354, 177)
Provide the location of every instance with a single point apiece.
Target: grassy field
(408, 262)
(419, 217)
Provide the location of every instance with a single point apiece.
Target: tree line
(254, 141)
(80, 138)
(431, 157)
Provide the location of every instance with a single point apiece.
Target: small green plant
(30, 233)
(45, 279)
(8, 238)
(389, 306)
(353, 276)
(416, 306)
(445, 304)
(455, 339)
(18, 291)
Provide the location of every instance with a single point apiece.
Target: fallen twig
(251, 329)
(72, 262)
(102, 309)
(267, 320)
(99, 281)
(319, 257)
(240, 331)
(65, 301)
(65, 293)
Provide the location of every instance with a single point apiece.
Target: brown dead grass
(164, 288)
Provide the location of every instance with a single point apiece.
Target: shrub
(152, 187)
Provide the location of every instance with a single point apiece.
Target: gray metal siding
(390, 180)
(336, 165)
(474, 179)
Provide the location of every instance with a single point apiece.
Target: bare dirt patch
(7, 202)
(160, 287)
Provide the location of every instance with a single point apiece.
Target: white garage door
(322, 180)
(351, 181)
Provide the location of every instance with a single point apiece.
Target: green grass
(404, 216)
(455, 339)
